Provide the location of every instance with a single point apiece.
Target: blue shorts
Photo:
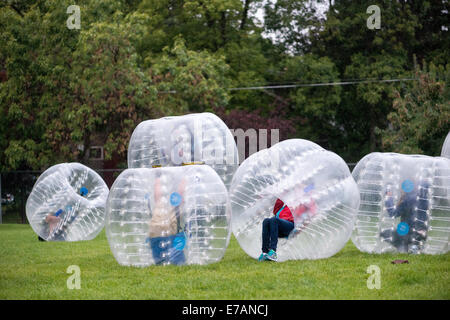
(168, 249)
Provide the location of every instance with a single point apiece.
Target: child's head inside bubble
(182, 141)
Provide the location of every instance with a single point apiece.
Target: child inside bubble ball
(281, 225)
(410, 234)
(166, 235)
(53, 219)
(182, 142)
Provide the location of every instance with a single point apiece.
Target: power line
(341, 83)
(320, 84)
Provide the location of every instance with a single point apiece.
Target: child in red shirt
(280, 226)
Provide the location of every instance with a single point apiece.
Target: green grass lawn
(30, 269)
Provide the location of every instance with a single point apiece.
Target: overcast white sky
(321, 8)
(276, 37)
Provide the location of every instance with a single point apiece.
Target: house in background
(95, 159)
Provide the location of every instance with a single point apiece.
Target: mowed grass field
(30, 269)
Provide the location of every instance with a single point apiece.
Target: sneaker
(262, 257)
(272, 256)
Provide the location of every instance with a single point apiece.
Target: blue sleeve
(404, 207)
(389, 204)
(58, 212)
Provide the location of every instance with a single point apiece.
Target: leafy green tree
(60, 89)
(204, 24)
(360, 54)
(221, 27)
(291, 22)
(64, 88)
(27, 59)
(65, 85)
(190, 80)
(432, 33)
(421, 117)
(111, 93)
(314, 106)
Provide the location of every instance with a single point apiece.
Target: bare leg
(52, 222)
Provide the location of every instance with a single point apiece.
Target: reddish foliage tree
(245, 120)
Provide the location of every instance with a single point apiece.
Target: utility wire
(322, 84)
(342, 83)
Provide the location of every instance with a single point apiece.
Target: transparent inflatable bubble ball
(179, 140)
(446, 147)
(316, 187)
(405, 204)
(67, 203)
(173, 215)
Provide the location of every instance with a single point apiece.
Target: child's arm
(157, 190)
(389, 204)
(182, 186)
(312, 208)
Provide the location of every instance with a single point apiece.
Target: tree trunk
(372, 138)
(223, 27)
(245, 14)
(16, 10)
